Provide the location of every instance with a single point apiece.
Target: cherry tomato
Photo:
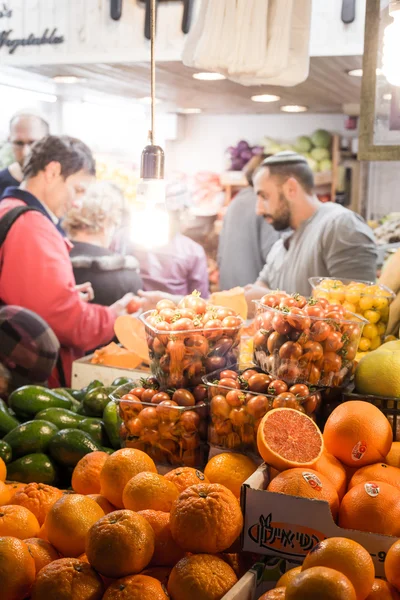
(200, 392)
(273, 300)
(314, 374)
(337, 308)
(319, 331)
(334, 342)
(168, 411)
(222, 313)
(183, 398)
(322, 302)
(148, 394)
(160, 397)
(190, 420)
(195, 303)
(257, 406)
(280, 324)
(312, 351)
(236, 398)
(295, 336)
(163, 326)
(214, 363)
(259, 383)
(248, 373)
(228, 374)
(331, 363)
(167, 314)
(182, 325)
(197, 344)
(285, 400)
(275, 341)
(149, 417)
(288, 302)
(301, 301)
(138, 391)
(334, 316)
(229, 382)
(289, 371)
(314, 310)
(158, 347)
(277, 387)
(231, 322)
(184, 313)
(219, 407)
(213, 329)
(350, 351)
(299, 390)
(165, 304)
(133, 306)
(290, 350)
(297, 319)
(264, 320)
(210, 315)
(239, 416)
(260, 340)
(353, 331)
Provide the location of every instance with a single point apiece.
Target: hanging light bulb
(150, 218)
(391, 46)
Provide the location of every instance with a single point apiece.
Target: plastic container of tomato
(181, 358)
(365, 298)
(239, 400)
(299, 348)
(172, 435)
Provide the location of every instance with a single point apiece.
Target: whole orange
(136, 587)
(14, 488)
(18, 521)
(230, 469)
(333, 470)
(160, 573)
(149, 491)
(184, 477)
(3, 470)
(377, 472)
(206, 518)
(201, 577)
(5, 493)
(68, 522)
(358, 434)
(67, 579)
(43, 553)
(393, 458)
(102, 502)
(17, 569)
(279, 593)
(347, 557)
(382, 590)
(120, 544)
(372, 506)
(306, 483)
(392, 565)
(320, 583)
(288, 576)
(166, 550)
(86, 475)
(38, 498)
(119, 468)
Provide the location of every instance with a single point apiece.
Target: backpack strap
(8, 220)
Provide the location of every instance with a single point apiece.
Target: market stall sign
(11, 43)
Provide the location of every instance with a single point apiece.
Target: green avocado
(68, 446)
(61, 417)
(28, 400)
(31, 468)
(5, 451)
(112, 423)
(96, 400)
(29, 437)
(95, 428)
(7, 421)
(121, 381)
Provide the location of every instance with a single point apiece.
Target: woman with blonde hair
(91, 227)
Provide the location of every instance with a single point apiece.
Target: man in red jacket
(35, 269)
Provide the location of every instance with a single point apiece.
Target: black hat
(284, 158)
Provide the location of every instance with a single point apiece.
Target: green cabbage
(321, 138)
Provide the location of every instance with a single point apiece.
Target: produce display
(315, 148)
(239, 400)
(241, 154)
(388, 232)
(306, 341)
(170, 426)
(190, 339)
(370, 301)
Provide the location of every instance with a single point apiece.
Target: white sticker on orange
(359, 450)
(372, 489)
(312, 480)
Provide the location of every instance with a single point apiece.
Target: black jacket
(111, 275)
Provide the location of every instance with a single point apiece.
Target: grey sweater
(334, 242)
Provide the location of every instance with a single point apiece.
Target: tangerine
(38, 498)
(393, 458)
(136, 587)
(320, 583)
(382, 590)
(347, 557)
(68, 579)
(102, 502)
(68, 522)
(5, 493)
(86, 475)
(42, 552)
(17, 569)
(373, 507)
(287, 438)
(306, 483)
(184, 477)
(3, 470)
(230, 469)
(18, 522)
(288, 576)
(358, 434)
(166, 550)
(206, 518)
(149, 491)
(377, 472)
(119, 468)
(120, 544)
(279, 593)
(392, 565)
(333, 470)
(201, 577)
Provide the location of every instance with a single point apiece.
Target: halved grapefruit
(287, 439)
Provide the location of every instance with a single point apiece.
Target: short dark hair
(300, 171)
(22, 115)
(72, 154)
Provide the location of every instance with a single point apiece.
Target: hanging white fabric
(252, 42)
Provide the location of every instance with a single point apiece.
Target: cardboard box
(262, 577)
(83, 372)
(289, 527)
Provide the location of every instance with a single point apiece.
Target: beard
(281, 219)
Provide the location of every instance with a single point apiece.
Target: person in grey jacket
(246, 238)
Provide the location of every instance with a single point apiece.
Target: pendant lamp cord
(153, 67)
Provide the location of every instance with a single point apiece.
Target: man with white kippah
(327, 240)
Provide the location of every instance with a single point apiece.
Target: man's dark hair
(300, 171)
(22, 115)
(72, 154)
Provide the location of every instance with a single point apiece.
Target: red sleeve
(36, 273)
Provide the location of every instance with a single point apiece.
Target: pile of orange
(339, 568)
(353, 465)
(126, 532)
